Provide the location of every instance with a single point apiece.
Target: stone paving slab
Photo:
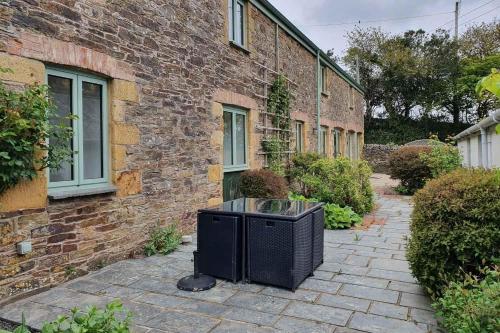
(364, 286)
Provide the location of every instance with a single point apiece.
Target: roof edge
(492, 119)
(290, 28)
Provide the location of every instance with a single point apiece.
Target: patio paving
(364, 286)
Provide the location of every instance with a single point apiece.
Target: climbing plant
(278, 105)
(24, 133)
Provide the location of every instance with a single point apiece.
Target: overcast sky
(319, 19)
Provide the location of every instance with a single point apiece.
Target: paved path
(364, 286)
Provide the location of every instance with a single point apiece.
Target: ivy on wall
(278, 106)
(25, 130)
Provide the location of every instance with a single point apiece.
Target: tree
(480, 40)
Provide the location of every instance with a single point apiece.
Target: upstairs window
(351, 98)
(85, 97)
(324, 87)
(299, 136)
(237, 21)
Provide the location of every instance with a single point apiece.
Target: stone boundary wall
(378, 156)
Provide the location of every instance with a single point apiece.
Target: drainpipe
(484, 148)
(318, 99)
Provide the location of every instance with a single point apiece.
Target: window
(351, 97)
(237, 21)
(322, 140)
(336, 142)
(235, 139)
(83, 96)
(323, 79)
(349, 144)
(299, 136)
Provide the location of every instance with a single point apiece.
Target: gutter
(277, 17)
(483, 124)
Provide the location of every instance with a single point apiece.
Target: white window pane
(61, 94)
(92, 130)
(228, 139)
(230, 19)
(238, 24)
(240, 140)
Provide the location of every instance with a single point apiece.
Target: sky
(319, 19)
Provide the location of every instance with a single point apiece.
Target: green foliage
(471, 306)
(22, 328)
(263, 184)
(340, 181)
(442, 158)
(455, 228)
(93, 321)
(406, 165)
(278, 104)
(163, 240)
(400, 131)
(300, 197)
(490, 83)
(337, 217)
(24, 133)
(274, 149)
(299, 168)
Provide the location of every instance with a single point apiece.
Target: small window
(237, 21)
(349, 144)
(336, 142)
(299, 136)
(235, 139)
(351, 97)
(322, 140)
(83, 96)
(324, 82)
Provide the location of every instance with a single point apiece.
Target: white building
(480, 145)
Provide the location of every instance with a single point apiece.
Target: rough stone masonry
(170, 70)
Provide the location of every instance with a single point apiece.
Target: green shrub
(299, 168)
(406, 165)
(455, 228)
(472, 306)
(339, 181)
(24, 133)
(337, 217)
(441, 159)
(163, 240)
(263, 184)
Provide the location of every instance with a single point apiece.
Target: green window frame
(235, 139)
(299, 136)
(324, 81)
(83, 143)
(237, 21)
(322, 140)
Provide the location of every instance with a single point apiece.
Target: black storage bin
(279, 251)
(219, 246)
(318, 218)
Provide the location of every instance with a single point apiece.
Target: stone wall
(378, 156)
(170, 70)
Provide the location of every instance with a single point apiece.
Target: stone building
(171, 98)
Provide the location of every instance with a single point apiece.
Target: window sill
(326, 94)
(239, 47)
(60, 194)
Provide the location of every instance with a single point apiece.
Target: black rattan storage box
(318, 220)
(219, 246)
(280, 251)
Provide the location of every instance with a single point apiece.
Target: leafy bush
(472, 306)
(263, 184)
(406, 165)
(455, 228)
(163, 240)
(93, 321)
(442, 158)
(24, 133)
(337, 217)
(301, 164)
(340, 181)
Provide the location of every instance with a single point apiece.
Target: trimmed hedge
(263, 184)
(455, 228)
(406, 165)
